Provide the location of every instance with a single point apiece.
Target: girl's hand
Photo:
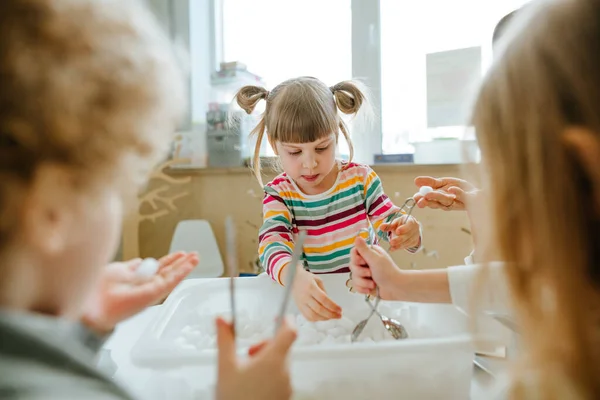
(406, 234)
(264, 376)
(372, 266)
(121, 293)
(311, 299)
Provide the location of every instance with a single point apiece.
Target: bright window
(282, 39)
(412, 30)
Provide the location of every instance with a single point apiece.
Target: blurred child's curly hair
(90, 86)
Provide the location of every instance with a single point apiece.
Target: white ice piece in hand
(147, 268)
(423, 190)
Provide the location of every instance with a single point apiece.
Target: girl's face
(310, 165)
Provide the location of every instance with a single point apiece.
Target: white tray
(426, 368)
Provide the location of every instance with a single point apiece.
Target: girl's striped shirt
(332, 220)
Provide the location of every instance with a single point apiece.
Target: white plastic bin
(436, 366)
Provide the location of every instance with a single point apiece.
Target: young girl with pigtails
(332, 200)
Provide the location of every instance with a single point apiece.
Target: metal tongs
(232, 265)
(395, 328)
(407, 207)
(291, 276)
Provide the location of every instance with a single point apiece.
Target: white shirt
(486, 282)
(478, 289)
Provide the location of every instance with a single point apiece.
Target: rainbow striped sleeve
(275, 236)
(332, 220)
(380, 207)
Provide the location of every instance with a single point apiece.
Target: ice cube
(325, 325)
(300, 320)
(346, 323)
(311, 340)
(147, 268)
(203, 342)
(337, 332)
(195, 335)
(247, 330)
(257, 337)
(189, 336)
(303, 339)
(211, 342)
(307, 330)
(310, 335)
(423, 190)
(187, 329)
(343, 339)
(328, 340)
(243, 342)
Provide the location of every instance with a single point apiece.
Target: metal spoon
(360, 327)
(395, 328)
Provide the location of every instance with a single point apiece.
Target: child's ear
(586, 145)
(48, 217)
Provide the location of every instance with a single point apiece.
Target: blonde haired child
(89, 98)
(538, 127)
(331, 199)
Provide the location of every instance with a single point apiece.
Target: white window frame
(366, 65)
